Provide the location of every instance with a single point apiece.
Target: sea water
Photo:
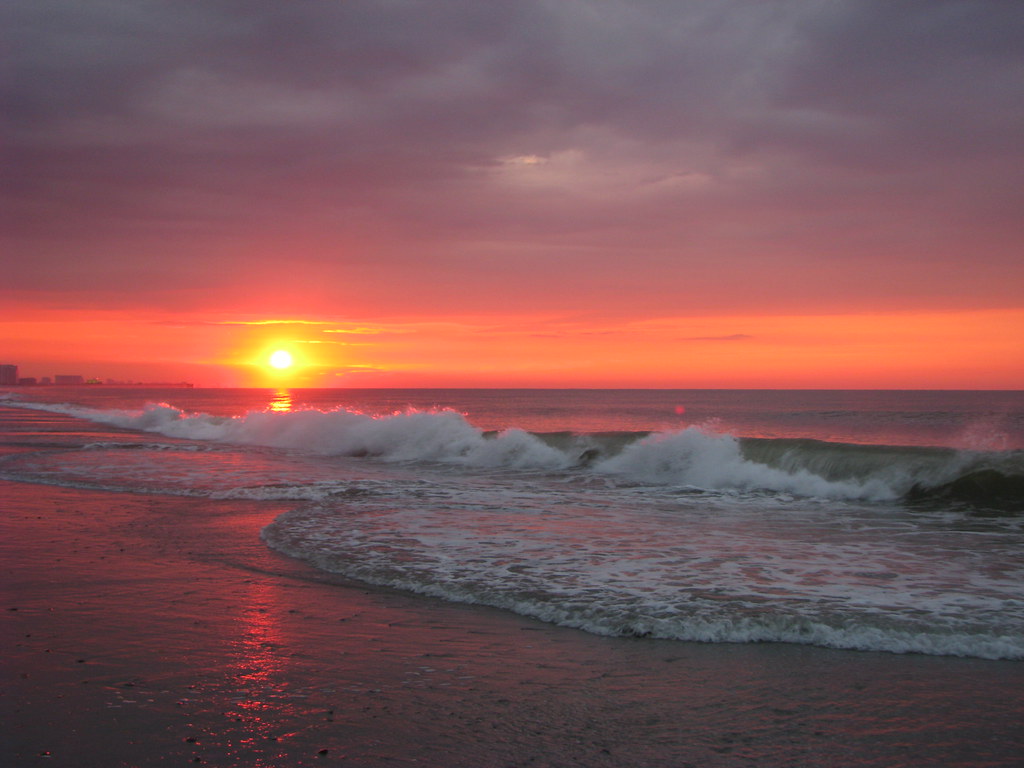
(887, 521)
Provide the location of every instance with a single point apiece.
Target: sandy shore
(158, 630)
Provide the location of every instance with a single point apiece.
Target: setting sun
(281, 359)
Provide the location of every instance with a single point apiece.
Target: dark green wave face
(984, 490)
(987, 480)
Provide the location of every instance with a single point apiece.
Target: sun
(280, 359)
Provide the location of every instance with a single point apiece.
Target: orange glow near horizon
(933, 350)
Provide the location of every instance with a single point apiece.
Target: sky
(579, 193)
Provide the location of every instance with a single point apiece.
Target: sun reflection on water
(281, 402)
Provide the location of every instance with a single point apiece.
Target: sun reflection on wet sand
(260, 673)
(281, 402)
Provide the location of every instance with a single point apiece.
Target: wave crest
(693, 457)
(715, 461)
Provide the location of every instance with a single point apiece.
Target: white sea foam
(715, 575)
(442, 436)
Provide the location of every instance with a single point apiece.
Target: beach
(618, 384)
(133, 640)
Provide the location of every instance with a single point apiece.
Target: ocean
(861, 520)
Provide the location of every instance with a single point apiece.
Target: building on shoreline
(9, 378)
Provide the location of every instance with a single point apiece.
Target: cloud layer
(591, 157)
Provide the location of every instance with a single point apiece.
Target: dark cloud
(932, 77)
(767, 145)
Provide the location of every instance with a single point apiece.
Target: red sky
(740, 194)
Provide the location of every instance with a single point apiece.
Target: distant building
(68, 380)
(27, 381)
(46, 380)
(8, 375)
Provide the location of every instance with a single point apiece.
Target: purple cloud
(636, 157)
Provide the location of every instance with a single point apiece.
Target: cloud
(540, 154)
(359, 331)
(728, 337)
(272, 322)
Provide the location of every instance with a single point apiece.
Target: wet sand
(159, 630)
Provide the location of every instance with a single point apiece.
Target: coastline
(144, 630)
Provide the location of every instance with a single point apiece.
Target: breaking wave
(692, 457)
